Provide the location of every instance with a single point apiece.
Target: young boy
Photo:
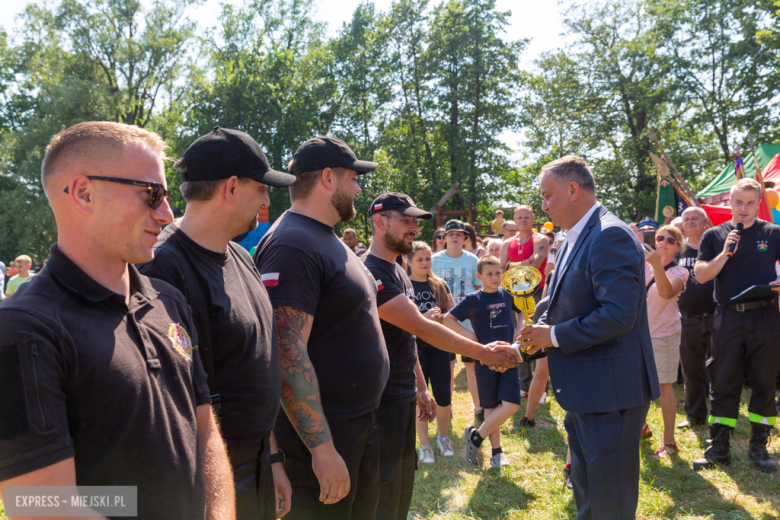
(490, 312)
(23, 264)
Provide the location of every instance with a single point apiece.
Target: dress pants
(357, 441)
(253, 480)
(605, 462)
(695, 347)
(397, 459)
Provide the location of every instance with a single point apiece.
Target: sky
(535, 19)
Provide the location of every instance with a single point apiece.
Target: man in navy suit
(598, 342)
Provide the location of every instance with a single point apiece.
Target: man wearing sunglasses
(225, 174)
(394, 221)
(99, 362)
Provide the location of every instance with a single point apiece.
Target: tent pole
(760, 178)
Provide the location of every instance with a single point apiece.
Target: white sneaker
(426, 454)
(543, 399)
(499, 461)
(445, 447)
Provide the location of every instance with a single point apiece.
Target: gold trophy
(521, 282)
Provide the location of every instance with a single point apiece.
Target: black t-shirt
(391, 281)
(753, 263)
(425, 299)
(490, 314)
(697, 298)
(116, 386)
(243, 332)
(305, 266)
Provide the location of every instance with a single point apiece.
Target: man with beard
(224, 175)
(332, 354)
(395, 223)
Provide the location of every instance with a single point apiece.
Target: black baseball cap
(224, 153)
(454, 225)
(326, 151)
(400, 202)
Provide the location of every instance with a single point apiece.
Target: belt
(705, 315)
(749, 306)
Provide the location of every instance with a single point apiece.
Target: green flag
(666, 196)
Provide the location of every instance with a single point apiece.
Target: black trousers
(605, 462)
(357, 441)
(253, 480)
(397, 459)
(695, 350)
(744, 342)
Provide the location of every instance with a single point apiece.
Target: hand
(500, 356)
(433, 314)
(426, 405)
(538, 336)
(732, 238)
(775, 286)
(331, 473)
(282, 490)
(653, 258)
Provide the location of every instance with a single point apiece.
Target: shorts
(435, 366)
(666, 351)
(497, 387)
(463, 359)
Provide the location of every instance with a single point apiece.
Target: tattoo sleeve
(300, 388)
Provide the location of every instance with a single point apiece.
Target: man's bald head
(90, 147)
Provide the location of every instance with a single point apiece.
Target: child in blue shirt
(490, 312)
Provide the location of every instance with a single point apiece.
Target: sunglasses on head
(157, 191)
(669, 240)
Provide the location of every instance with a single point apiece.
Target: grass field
(533, 487)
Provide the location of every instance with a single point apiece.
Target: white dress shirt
(571, 240)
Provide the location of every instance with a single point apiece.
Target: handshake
(500, 356)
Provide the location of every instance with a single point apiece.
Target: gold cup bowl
(522, 282)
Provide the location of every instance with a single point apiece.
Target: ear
(329, 179)
(378, 221)
(229, 190)
(81, 194)
(574, 191)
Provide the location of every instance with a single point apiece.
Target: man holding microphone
(739, 254)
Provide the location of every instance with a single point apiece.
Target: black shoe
(759, 436)
(472, 450)
(525, 422)
(479, 415)
(689, 423)
(567, 477)
(718, 451)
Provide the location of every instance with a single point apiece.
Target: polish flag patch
(377, 207)
(379, 285)
(270, 279)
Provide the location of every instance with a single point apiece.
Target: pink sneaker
(666, 450)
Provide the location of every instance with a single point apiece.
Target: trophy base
(530, 357)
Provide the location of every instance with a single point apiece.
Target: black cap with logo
(326, 151)
(400, 202)
(454, 225)
(224, 153)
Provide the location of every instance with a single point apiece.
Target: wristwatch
(278, 457)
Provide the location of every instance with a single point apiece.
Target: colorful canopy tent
(723, 182)
(772, 171)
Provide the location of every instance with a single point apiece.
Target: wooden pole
(760, 178)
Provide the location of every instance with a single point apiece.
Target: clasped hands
(537, 336)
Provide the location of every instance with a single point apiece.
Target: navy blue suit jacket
(599, 308)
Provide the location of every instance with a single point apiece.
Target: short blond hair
(80, 141)
(746, 184)
(675, 232)
(24, 258)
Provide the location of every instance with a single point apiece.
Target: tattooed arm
(301, 402)
(541, 249)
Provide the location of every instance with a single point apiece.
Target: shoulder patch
(181, 340)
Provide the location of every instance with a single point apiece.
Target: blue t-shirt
(460, 274)
(490, 314)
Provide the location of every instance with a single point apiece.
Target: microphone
(730, 250)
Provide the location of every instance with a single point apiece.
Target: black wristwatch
(278, 457)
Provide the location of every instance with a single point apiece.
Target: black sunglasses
(157, 190)
(669, 240)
